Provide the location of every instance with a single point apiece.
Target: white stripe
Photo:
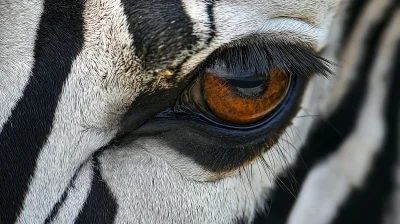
(18, 25)
(77, 196)
(197, 11)
(149, 190)
(392, 214)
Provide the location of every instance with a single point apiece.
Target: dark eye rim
(219, 149)
(290, 103)
(211, 119)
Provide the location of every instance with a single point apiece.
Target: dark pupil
(248, 88)
(245, 83)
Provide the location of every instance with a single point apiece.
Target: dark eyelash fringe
(262, 55)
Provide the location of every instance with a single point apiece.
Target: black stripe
(368, 205)
(57, 206)
(59, 40)
(328, 134)
(352, 15)
(161, 30)
(210, 12)
(100, 206)
(149, 32)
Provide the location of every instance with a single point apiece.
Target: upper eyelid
(292, 30)
(288, 29)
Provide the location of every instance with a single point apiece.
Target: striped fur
(353, 179)
(76, 77)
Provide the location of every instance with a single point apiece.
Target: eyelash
(262, 55)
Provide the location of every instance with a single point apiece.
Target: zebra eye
(247, 86)
(244, 100)
(238, 97)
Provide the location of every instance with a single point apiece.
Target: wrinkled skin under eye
(242, 102)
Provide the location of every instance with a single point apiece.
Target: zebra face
(120, 86)
(170, 57)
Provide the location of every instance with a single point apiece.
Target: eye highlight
(244, 101)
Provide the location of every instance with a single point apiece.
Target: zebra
(108, 111)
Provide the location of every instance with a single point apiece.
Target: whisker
(297, 151)
(311, 115)
(250, 185)
(289, 170)
(321, 118)
(279, 181)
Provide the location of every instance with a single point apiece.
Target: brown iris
(231, 104)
